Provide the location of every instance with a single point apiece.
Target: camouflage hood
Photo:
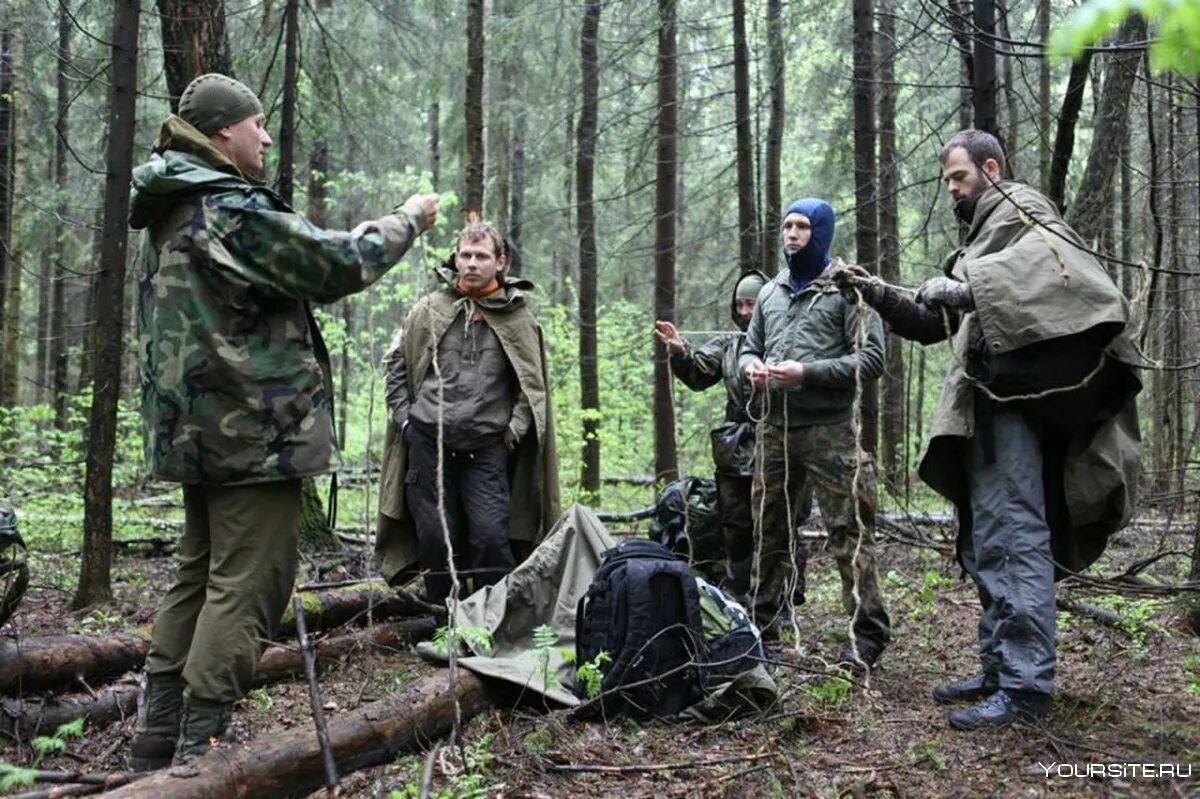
(184, 164)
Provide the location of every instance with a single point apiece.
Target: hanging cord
(685, 483)
(860, 338)
(759, 476)
(452, 600)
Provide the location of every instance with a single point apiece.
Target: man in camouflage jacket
(733, 439)
(236, 400)
(801, 348)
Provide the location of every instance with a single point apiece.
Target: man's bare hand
(424, 207)
(756, 373)
(786, 374)
(669, 335)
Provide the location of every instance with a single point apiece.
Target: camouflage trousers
(820, 457)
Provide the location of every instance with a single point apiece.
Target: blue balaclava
(813, 257)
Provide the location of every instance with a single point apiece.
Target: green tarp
(544, 590)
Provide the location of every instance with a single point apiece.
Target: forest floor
(1127, 694)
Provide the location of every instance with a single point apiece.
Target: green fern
(476, 636)
(591, 675)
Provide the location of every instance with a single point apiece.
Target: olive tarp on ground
(544, 590)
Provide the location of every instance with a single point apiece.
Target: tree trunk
(772, 182)
(1012, 143)
(1193, 610)
(889, 246)
(1044, 114)
(289, 762)
(58, 326)
(747, 223)
(316, 532)
(983, 80)
(958, 14)
(1064, 139)
(96, 558)
(10, 365)
(585, 170)
(473, 112)
(666, 466)
(1112, 114)
(194, 42)
(285, 179)
(6, 171)
(866, 224)
(1127, 231)
(435, 152)
(516, 217)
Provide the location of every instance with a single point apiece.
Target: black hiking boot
(157, 728)
(970, 688)
(200, 723)
(868, 654)
(1001, 709)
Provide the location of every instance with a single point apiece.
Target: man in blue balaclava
(800, 349)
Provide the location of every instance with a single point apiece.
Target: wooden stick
(638, 768)
(314, 697)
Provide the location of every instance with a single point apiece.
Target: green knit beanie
(748, 287)
(213, 101)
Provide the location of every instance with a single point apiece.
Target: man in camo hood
(236, 396)
(732, 440)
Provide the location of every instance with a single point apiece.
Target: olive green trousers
(234, 572)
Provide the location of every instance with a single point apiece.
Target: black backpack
(687, 520)
(643, 609)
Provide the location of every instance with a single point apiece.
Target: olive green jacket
(533, 470)
(1033, 283)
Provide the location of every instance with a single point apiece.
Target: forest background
(636, 155)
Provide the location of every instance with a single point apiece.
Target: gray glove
(945, 292)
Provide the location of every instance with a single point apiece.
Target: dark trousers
(234, 571)
(1009, 557)
(476, 505)
(737, 530)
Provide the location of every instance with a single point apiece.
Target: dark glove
(853, 281)
(945, 292)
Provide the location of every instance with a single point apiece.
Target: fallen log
(55, 660)
(25, 718)
(289, 762)
(52, 661)
(325, 610)
(286, 661)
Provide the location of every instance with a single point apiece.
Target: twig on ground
(639, 768)
(314, 696)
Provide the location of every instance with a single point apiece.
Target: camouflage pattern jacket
(234, 374)
(717, 361)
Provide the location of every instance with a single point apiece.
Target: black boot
(974, 687)
(867, 655)
(201, 722)
(158, 724)
(1001, 709)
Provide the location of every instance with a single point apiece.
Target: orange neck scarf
(480, 292)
